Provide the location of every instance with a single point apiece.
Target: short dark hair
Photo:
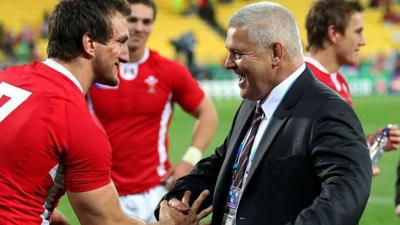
(149, 3)
(71, 19)
(324, 13)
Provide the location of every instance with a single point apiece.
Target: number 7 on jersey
(17, 97)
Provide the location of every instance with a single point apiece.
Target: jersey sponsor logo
(151, 82)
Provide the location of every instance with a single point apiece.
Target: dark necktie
(244, 150)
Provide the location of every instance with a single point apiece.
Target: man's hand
(181, 169)
(394, 137)
(398, 210)
(180, 212)
(375, 171)
(57, 218)
(168, 180)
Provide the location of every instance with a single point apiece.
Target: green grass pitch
(373, 112)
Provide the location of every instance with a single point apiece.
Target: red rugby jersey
(335, 81)
(136, 116)
(50, 142)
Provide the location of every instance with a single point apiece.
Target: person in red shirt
(137, 113)
(50, 142)
(335, 37)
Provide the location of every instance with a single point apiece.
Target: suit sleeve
(341, 162)
(203, 176)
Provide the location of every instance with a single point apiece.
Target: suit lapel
(282, 113)
(274, 126)
(240, 128)
(243, 122)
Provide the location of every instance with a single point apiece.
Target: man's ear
(277, 52)
(332, 34)
(88, 44)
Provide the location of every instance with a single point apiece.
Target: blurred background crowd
(193, 32)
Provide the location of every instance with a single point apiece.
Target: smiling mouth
(241, 77)
(136, 37)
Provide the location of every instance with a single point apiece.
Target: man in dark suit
(307, 162)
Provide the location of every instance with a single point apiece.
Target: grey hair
(267, 23)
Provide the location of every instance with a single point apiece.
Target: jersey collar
(317, 64)
(144, 57)
(61, 69)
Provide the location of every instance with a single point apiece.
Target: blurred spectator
(2, 33)
(376, 3)
(379, 64)
(26, 50)
(207, 13)
(44, 27)
(390, 16)
(396, 77)
(8, 43)
(225, 1)
(185, 44)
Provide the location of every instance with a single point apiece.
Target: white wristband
(192, 155)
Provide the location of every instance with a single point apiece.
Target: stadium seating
(15, 14)
(210, 48)
(379, 36)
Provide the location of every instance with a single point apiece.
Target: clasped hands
(181, 213)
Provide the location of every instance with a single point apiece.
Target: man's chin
(111, 82)
(251, 96)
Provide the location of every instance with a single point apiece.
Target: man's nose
(229, 63)
(124, 56)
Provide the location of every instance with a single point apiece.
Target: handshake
(177, 212)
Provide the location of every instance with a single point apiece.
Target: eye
(147, 21)
(237, 55)
(122, 41)
(132, 19)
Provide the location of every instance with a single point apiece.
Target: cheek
(131, 28)
(115, 52)
(148, 30)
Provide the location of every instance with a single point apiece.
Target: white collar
(277, 93)
(144, 57)
(316, 63)
(61, 69)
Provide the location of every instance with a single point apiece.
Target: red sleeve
(186, 91)
(88, 157)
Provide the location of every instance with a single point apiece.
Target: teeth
(241, 77)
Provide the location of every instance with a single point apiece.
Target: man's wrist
(192, 155)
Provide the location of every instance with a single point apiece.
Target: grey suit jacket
(311, 167)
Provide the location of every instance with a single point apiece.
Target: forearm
(100, 206)
(57, 218)
(203, 176)
(205, 126)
